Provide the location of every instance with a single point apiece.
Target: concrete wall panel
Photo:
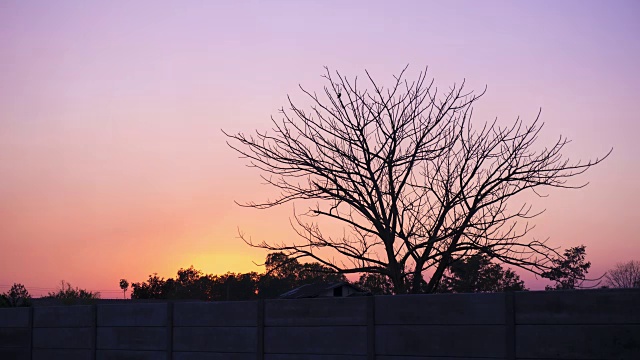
(15, 353)
(131, 355)
(232, 313)
(313, 357)
(62, 354)
(132, 338)
(133, 315)
(63, 316)
(212, 356)
(441, 340)
(63, 338)
(321, 340)
(578, 307)
(394, 357)
(316, 312)
(215, 339)
(14, 317)
(445, 309)
(15, 337)
(578, 341)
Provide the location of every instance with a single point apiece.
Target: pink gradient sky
(112, 163)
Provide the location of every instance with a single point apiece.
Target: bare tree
(624, 275)
(417, 184)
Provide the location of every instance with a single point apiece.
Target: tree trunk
(399, 286)
(416, 283)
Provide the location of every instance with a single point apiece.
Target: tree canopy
(570, 271)
(376, 284)
(417, 184)
(478, 274)
(17, 296)
(124, 285)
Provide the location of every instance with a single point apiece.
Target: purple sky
(112, 163)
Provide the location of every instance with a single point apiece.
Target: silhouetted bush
(17, 296)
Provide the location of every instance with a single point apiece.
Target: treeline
(474, 274)
(281, 275)
(18, 295)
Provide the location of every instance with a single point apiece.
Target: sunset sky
(112, 160)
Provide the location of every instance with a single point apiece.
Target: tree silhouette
(154, 288)
(570, 271)
(283, 273)
(124, 285)
(17, 296)
(187, 284)
(624, 275)
(416, 182)
(376, 284)
(71, 295)
(235, 287)
(477, 273)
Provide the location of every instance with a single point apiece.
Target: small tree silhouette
(124, 285)
(570, 271)
(70, 295)
(16, 296)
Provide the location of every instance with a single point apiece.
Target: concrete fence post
(169, 330)
(510, 325)
(260, 330)
(371, 328)
(94, 333)
(31, 332)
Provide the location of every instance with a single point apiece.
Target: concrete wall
(577, 325)
(63, 332)
(458, 326)
(588, 324)
(133, 331)
(331, 328)
(15, 333)
(215, 330)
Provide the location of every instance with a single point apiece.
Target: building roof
(315, 289)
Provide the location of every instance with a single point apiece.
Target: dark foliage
(570, 270)
(70, 295)
(477, 273)
(124, 285)
(282, 274)
(376, 284)
(17, 296)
